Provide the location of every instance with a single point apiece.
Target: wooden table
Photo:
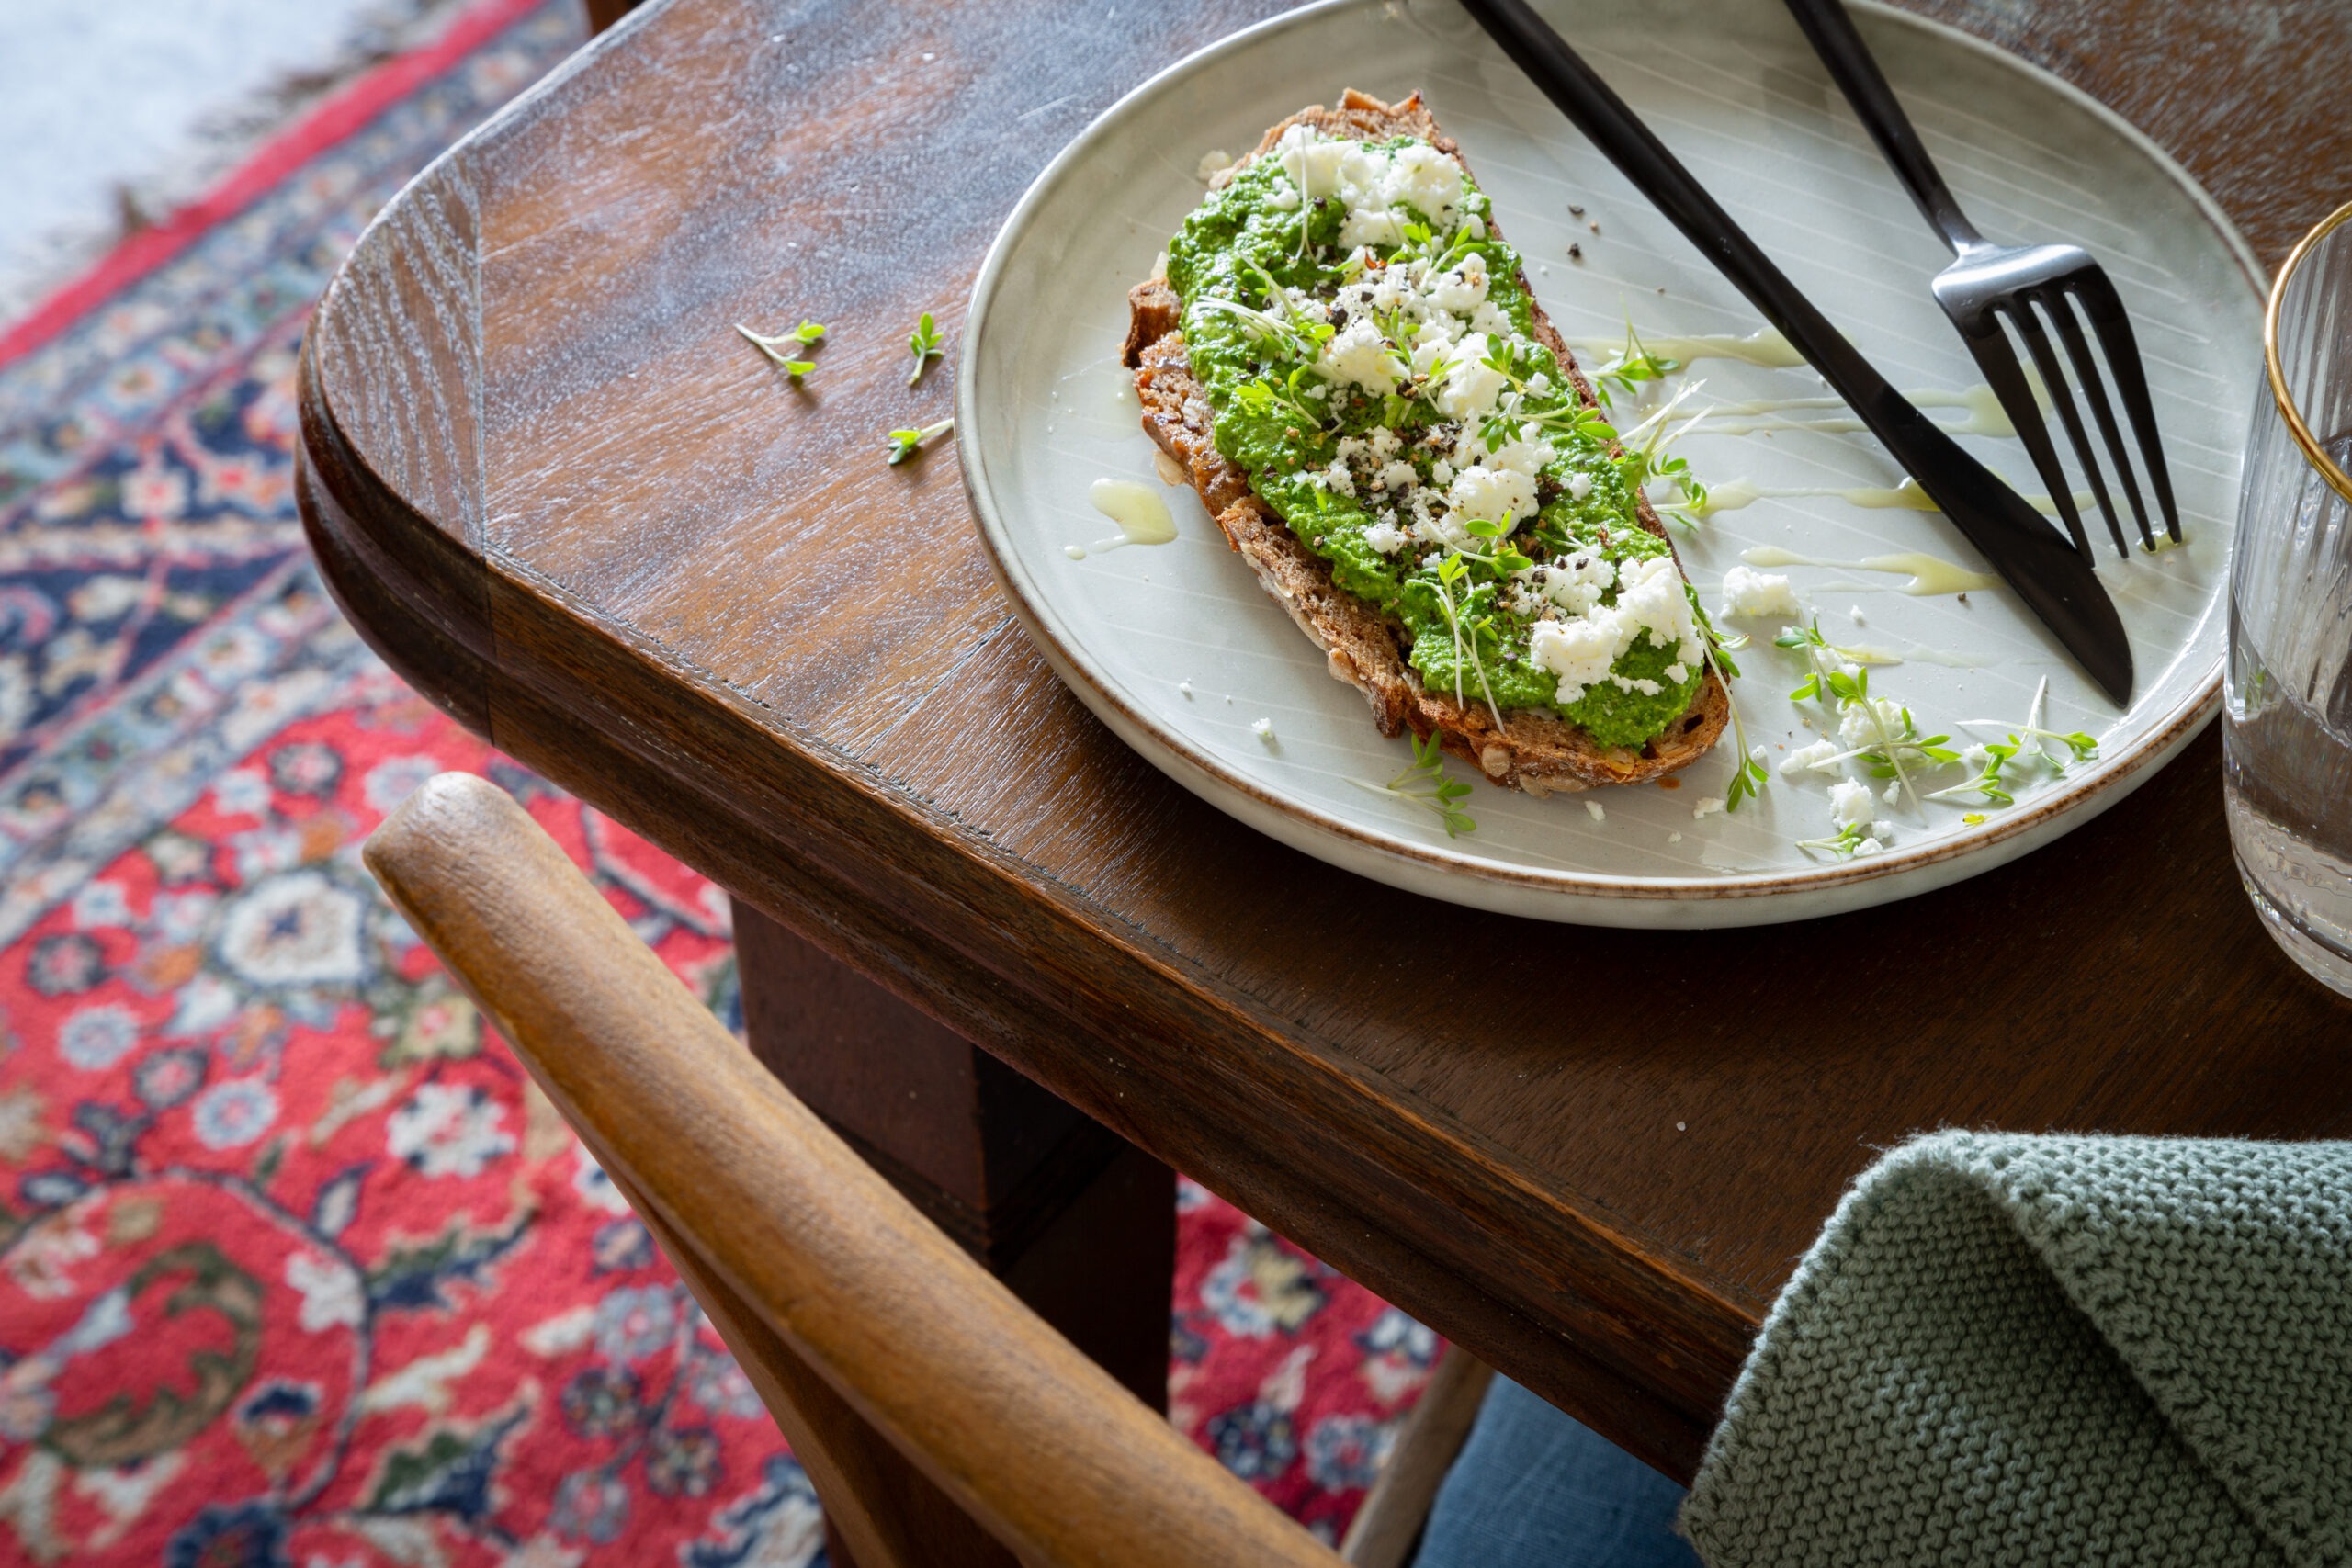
(561, 498)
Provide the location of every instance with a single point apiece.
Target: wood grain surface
(637, 558)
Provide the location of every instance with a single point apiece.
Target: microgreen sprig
(1750, 779)
(1634, 367)
(779, 348)
(923, 344)
(2080, 746)
(1426, 781)
(2023, 746)
(905, 444)
(1450, 572)
(1988, 785)
(1846, 687)
(1846, 843)
(1646, 458)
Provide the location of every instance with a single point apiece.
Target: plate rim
(2103, 783)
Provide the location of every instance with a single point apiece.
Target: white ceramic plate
(1180, 653)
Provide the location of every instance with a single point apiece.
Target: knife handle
(1834, 37)
(1621, 137)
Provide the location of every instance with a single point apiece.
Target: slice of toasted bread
(1536, 751)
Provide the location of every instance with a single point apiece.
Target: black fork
(2024, 284)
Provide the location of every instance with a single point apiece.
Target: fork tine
(2094, 389)
(2096, 293)
(2045, 360)
(1998, 364)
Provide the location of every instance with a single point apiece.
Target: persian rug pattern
(296, 1265)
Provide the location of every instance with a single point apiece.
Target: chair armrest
(1062, 1464)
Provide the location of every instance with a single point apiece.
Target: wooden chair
(851, 1313)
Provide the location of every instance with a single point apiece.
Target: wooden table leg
(1077, 1222)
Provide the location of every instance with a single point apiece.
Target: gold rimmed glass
(2287, 724)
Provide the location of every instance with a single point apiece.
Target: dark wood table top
(561, 497)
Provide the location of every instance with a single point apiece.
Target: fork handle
(1834, 37)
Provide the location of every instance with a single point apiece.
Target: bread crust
(1535, 750)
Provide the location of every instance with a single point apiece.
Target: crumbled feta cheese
(1868, 847)
(1312, 161)
(1441, 471)
(1650, 598)
(1854, 725)
(1579, 485)
(1463, 290)
(1357, 355)
(1707, 806)
(1893, 792)
(1856, 611)
(1805, 759)
(1579, 651)
(1211, 164)
(1849, 802)
(1674, 838)
(1265, 729)
(1471, 384)
(1435, 337)
(1386, 537)
(1678, 673)
(1397, 478)
(1525, 455)
(1575, 584)
(1502, 496)
(1185, 687)
(1597, 814)
(1751, 592)
(1881, 830)
(1371, 226)
(1541, 384)
(1420, 175)
(1755, 755)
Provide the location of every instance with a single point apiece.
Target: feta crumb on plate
(1597, 814)
(1707, 806)
(1748, 593)
(1814, 757)
(1849, 802)
(1265, 729)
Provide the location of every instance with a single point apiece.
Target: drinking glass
(2287, 722)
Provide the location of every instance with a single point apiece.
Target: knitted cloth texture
(2012, 1349)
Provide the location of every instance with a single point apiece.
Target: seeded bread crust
(1536, 751)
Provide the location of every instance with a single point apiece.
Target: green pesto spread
(1366, 342)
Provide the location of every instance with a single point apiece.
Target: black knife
(2033, 558)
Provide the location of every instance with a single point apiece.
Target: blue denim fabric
(1533, 1488)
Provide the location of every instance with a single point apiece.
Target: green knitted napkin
(2009, 1349)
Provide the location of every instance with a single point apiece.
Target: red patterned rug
(296, 1266)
